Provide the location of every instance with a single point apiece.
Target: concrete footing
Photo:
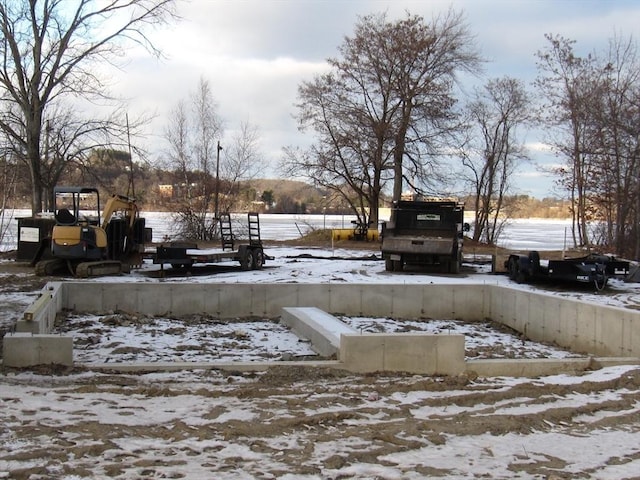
(419, 353)
(26, 350)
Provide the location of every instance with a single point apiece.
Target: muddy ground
(291, 422)
(315, 423)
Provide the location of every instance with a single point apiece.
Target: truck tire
(512, 268)
(455, 262)
(454, 266)
(388, 265)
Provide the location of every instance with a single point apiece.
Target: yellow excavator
(87, 244)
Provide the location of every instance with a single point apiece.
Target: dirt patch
(315, 422)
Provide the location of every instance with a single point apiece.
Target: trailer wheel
(258, 259)
(247, 259)
(512, 268)
(534, 261)
(515, 273)
(388, 265)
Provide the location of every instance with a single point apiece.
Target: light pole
(217, 194)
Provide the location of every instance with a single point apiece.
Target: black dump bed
(424, 233)
(432, 217)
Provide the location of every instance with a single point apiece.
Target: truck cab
(424, 233)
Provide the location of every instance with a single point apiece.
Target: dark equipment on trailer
(590, 269)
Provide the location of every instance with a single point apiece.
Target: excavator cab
(77, 234)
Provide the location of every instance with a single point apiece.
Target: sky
(255, 54)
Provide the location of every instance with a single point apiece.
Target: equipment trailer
(251, 256)
(595, 269)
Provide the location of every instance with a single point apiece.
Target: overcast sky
(255, 53)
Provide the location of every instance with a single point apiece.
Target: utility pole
(217, 194)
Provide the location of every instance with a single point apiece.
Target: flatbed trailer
(590, 269)
(185, 254)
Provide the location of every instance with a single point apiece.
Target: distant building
(165, 191)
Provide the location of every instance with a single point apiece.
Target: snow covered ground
(310, 423)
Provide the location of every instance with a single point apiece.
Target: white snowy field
(530, 234)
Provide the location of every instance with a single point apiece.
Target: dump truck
(424, 233)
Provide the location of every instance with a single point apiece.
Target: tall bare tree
(208, 169)
(51, 49)
(616, 116)
(242, 161)
(568, 83)
(493, 150)
(384, 108)
(593, 104)
(193, 135)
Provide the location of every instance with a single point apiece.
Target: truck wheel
(454, 266)
(388, 265)
(398, 266)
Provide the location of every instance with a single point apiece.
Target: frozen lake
(521, 234)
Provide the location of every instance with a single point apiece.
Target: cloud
(255, 53)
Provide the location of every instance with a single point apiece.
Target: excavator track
(51, 266)
(99, 268)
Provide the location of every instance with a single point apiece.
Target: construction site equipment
(359, 232)
(424, 233)
(87, 244)
(250, 255)
(590, 269)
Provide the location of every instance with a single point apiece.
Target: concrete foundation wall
(40, 316)
(320, 328)
(579, 326)
(592, 329)
(582, 327)
(466, 302)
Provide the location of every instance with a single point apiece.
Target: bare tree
(242, 161)
(568, 83)
(50, 50)
(616, 116)
(381, 112)
(193, 136)
(493, 152)
(8, 180)
(70, 143)
(593, 104)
